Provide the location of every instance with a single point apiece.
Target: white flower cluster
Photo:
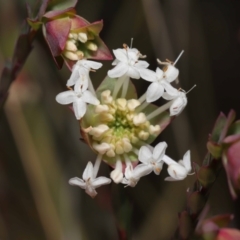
(122, 128)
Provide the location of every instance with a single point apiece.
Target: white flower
(80, 71)
(79, 97)
(179, 100)
(132, 176)
(89, 182)
(160, 82)
(178, 171)
(127, 63)
(153, 159)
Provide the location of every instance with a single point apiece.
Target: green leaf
(196, 202)
(61, 4)
(218, 127)
(234, 128)
(35, 25)
(215, 149)
(206, 176)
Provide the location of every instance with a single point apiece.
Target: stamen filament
(168, 160)
(142, 106)
(97, 165)
(125, 88)
(118, 85)
(91, 88)
(191, 89)
(159, 110)
(142, 98)
(181, 53)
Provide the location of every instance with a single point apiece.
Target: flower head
(89, 182)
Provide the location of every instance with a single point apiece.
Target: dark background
(39, 139)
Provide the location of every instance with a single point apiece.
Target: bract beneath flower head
(73, 37)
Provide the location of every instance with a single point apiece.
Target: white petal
(147, 74)
(80, 108)
(118, 71)
(177, 171)
(66, 97)
(168, 160)
(154, 92)
(174, 93)
(187, 161)
(88, 97)
(88, 172)
(171, 74)
(77, 182)
(159, 151)
(121, 55)
(115, 62)
(177, 106)
(128, 171)
(158, 167)
(169, 88)
(159, 73)
(141, 170)
(74, 77)
(133, 72)
(81, 85)
(170, 179)
(98, 182)
(91, 191)
(94, 65)
(144, 155)
(141, 64)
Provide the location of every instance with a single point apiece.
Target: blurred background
(40, 147)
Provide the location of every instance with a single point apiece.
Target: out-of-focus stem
(33, 169)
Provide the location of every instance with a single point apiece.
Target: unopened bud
(119, 149)
(91, 46)
(82, 37)
(121, 104)
(132, 104)
(101, 108)
(70, 46)
(106, 117)
(127, 146)
(70, 55)
(106, 96)
(110, 153)
(80, 54)
(74, 36)
(101, 148)
(116, 175)
(154, 130)
(143, 135)
(99, 130)
(139, 119)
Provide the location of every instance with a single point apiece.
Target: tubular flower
(118, 125)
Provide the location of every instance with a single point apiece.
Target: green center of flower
(119, 128)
